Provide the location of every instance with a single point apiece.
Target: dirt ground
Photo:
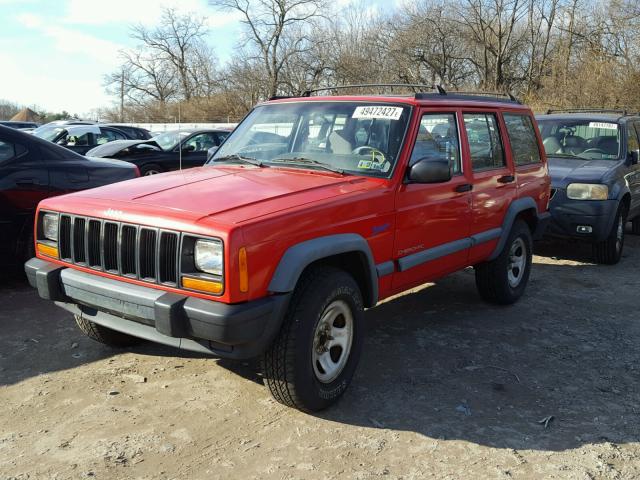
(448, 387)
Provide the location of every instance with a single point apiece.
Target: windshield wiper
(240, 159)
(308, 161)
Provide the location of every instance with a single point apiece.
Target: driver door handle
(464, 187)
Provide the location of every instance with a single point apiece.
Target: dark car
(82, 138)
(32, 169)
(164, 152)
(134, 133)
(593, 161)
(18, 125)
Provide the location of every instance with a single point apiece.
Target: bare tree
(275, 30)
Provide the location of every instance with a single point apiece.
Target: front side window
(580, 138)
(352, 137)
(201, 142)
(484, 141)
(438, 140)
(107, 136)
(522, 137)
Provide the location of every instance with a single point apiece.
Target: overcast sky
(54, 54)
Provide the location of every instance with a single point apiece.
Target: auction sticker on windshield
(608, 126)
(388, 113)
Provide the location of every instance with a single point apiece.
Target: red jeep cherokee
(312, 210)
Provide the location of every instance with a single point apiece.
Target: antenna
(179, 140)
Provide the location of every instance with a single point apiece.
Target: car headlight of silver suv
(50, 226)
(587, 191)
(209, 256)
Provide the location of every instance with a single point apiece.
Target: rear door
(493, 179)
(432, 226)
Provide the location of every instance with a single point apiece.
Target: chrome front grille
(133, 251)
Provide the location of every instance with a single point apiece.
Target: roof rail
(486, 96)
(437, 88)
(586, 110)
(508, 95)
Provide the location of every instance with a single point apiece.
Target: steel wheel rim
(151, 172)
(332, 341)
(517, 262)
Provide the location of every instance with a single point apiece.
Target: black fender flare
(517, 206)
(298, 257)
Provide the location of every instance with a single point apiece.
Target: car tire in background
(504, 279)
(609, 251)
(105, 335)
(311, 362)
(150, 169)
(635, 226)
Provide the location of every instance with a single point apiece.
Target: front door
(432, 227)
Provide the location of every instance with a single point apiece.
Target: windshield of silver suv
(362, 138)
(580, 138)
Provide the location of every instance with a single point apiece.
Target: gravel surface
(448, 387)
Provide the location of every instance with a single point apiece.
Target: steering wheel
(367, 150)
(594, 150)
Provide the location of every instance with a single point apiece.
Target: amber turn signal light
(47, 250)
(207, 286)
(244, 271)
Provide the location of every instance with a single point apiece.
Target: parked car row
(315, 208)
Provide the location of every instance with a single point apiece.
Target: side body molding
(516, 207)
(298, 257)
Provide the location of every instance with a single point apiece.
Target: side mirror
(634, 155)
(188, 148)
(428, 170)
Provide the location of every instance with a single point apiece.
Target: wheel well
(530, 217)
(355, 264)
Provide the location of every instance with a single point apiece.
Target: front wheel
(504, 279)
(105, 335)
(609, 251)
(150, 169)
(311, 362)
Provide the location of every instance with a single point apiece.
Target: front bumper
(238, 331)
(567, 215)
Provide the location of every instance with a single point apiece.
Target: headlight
(50, 226)
(587, 191)
(208, 256)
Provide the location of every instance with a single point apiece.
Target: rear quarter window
(522, 136)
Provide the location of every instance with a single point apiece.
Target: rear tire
(609, 251)
(504, 279)
(311, 362)
(150, 169)
(105, 335)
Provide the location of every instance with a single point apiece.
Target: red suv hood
(229, 194)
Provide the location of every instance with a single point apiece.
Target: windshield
(49, 133)
(346, 137)
(587, 139)
(169, 140)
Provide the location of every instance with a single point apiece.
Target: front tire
(311, 362)
(609, 251)
(504, 279)
(105, 335)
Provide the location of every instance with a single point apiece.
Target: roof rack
(586, 110)
(437, 88)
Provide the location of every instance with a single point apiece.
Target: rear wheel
(105, 335)
(312, 360)
(150, 169)
(504, 279)
(609, 251)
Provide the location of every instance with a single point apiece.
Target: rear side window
(484, 141)
(522, 136)
(9, 151)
